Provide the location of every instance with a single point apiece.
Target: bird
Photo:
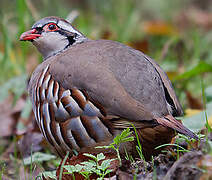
(86, 92)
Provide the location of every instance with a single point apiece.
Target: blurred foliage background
(177, 34)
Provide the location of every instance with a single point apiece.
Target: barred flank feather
(67, 119)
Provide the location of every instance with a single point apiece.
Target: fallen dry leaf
(192, 112)
(107, 34)
(185, 167)
(29, 143)
(194, 16)
(9, 115)
(193, 102)
(205, 164)
(141, 45)
(158, 28)
(201, 18)
(126, 176)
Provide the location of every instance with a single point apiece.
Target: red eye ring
(50, 27)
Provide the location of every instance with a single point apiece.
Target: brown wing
(169, 91)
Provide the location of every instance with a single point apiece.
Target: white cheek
(50, 43)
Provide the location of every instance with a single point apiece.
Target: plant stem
(118, 154)
(61, 168)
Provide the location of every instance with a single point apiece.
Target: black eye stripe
(67, 33)
(39, 29)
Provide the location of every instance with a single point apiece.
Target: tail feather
(171, 122)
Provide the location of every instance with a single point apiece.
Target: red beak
(29, 35)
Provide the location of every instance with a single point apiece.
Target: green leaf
(105, 164)
(38, 157)
(202, 67)
(127, 139)
(48, 174)
(89, 164)
(105, 147)
(123, 137)
(108, 171)
(90, 155)
(78, 167)
(100, 157)
(98, 172)
(71, 169)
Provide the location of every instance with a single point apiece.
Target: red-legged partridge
(87, 91)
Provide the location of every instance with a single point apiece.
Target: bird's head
(52, 35)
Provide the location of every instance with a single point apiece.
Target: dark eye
(52, 27)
